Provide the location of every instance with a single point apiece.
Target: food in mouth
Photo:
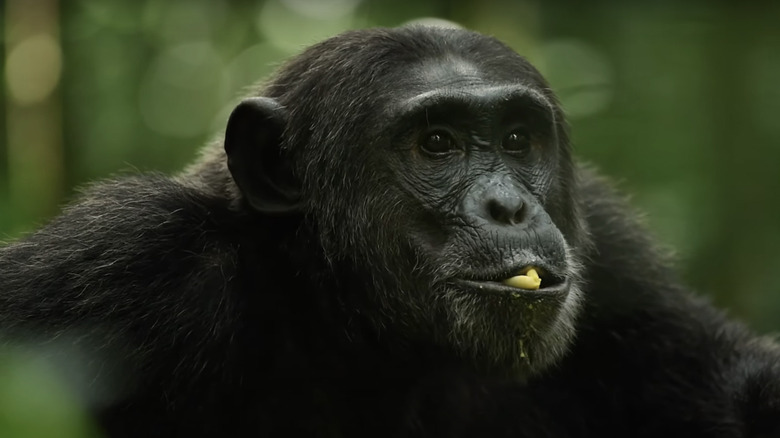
(529, 280)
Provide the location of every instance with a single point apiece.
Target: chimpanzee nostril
(506, 211)
(495, 210)
(519, 216)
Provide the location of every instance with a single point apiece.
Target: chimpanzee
(391, 240)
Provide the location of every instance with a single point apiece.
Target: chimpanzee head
(432, 167)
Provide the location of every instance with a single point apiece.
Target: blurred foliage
(678, 101)
(34, 403)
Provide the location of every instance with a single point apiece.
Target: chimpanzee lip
(554, 290)
(553, 283)
(550, 275)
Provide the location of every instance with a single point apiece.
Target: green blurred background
(678, 101)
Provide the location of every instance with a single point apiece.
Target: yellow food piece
(529, 281)
(531, 272)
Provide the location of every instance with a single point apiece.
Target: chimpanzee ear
(255, 158)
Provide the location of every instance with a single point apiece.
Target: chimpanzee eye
(438, 143)
(518, 140)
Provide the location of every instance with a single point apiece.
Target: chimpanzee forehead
(480, 95)
(440, 80)
(452, 71)
(441, 71)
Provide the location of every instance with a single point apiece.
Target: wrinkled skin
(336, 267)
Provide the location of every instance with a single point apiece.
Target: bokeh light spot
(33, 69)
(286, 27)
(183, 89)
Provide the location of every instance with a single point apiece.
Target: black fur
(304, 282)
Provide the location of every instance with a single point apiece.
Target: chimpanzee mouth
(532, 280)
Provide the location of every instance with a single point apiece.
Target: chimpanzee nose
(497, 200)
(506, 210)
